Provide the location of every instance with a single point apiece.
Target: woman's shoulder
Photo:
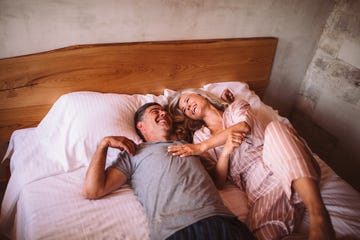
(201, 134)
(237, 104)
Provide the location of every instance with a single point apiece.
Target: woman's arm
(222, 166)
(220, 138)
(239, 113)
(216, 140)
(99, 182)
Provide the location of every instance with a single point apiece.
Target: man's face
(155, 121)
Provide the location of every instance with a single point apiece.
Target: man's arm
(99, 182)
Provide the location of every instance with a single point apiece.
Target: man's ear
(140, 126)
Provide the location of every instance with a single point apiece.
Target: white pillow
(78, 121)
(263, 112)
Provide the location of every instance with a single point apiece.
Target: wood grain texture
(30, 84)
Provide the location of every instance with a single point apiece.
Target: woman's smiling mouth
(194, 109)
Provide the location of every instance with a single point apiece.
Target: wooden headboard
(31, 84)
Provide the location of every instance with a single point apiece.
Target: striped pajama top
(264, 166)
(247, 170)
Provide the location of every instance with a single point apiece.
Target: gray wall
(39, 25)
(322, 33)
(330, 92)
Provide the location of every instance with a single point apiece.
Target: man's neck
(158, 138)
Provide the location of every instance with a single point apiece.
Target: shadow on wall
(326, 146)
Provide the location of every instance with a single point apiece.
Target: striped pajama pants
(276, 213)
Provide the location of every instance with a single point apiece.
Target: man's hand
(119, 142)
(99, 182)
(184, 150)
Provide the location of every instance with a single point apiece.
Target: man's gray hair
(139, 115)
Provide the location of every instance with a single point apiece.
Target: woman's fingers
(174, 148)
(236, 138)
(227, 95)
(180, 150)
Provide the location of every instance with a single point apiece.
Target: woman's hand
(227, 96)
(234, 140)
(184, 150)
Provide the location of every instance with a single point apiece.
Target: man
(179, 197)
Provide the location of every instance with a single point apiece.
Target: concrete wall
(39, 25)
(330, 92)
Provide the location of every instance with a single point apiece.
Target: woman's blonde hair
(184, 126)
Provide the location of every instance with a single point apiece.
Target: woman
(273, 165)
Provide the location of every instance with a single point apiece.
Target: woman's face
(193, 105)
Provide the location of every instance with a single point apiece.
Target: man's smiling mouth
(162, 120)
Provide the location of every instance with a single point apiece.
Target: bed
(55, 107)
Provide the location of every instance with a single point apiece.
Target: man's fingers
(128, 146)
(132, 146)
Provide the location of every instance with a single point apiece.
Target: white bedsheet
(53, 208)
(342, 202)
(26, 165)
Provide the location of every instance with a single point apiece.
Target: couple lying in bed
(270, 163)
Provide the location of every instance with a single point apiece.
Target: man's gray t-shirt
(176, 192)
